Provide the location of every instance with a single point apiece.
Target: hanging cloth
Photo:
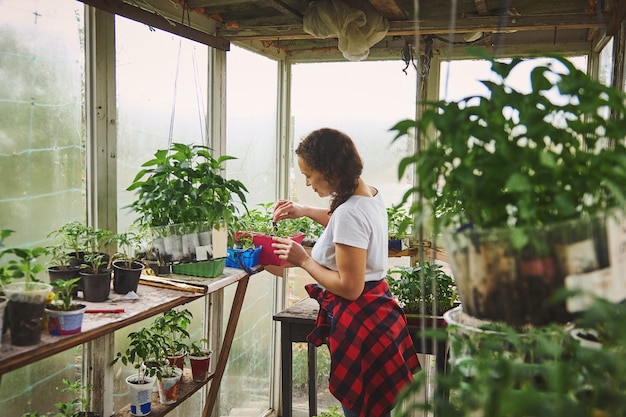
(355, 23)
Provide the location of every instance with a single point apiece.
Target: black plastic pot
(96, 287)
(126, 279)
(67, 273)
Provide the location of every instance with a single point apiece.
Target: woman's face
(315, 179)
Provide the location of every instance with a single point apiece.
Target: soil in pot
(96, 287)
(126, 279)
(25, 311)
(65, 322)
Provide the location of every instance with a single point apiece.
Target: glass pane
(161, 99)
(251, 123)
(246, 383)
(364, 100)
(252, 139)
(42, 160)
(42, 133)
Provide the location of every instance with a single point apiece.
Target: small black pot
(126, 279)
(96, 287)
(70, 272)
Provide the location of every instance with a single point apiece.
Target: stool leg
(286, 374)
(311, 352)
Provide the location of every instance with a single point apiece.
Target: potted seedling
(72, 238)
(144, 345)
(64, 315)
(181, 191)
(26, 294)
(258, 223)
(425, 292)
(95, 272)
(172, 327)
(399, 228)
(80, 406)
(423, 289)
(200, 359)
(517, 176)
(126, 266)
(60, 265)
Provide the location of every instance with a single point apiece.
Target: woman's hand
(290, 251)
(285, 209)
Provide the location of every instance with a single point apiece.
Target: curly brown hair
(333, 154)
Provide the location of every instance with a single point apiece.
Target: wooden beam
(120, 8)
(434, 27)
(618, 15)
(389, 9)
(287, 10)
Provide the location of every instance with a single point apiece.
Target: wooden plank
(431, 26)
(152, 301)
(160, 22)
(229, 335)
(186, 389)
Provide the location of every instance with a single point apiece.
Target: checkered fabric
(372, 356)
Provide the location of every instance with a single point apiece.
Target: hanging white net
(355, 23)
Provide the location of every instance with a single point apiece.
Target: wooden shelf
(186, 389)
(156, 295)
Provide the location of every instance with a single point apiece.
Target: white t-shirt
(360, 222)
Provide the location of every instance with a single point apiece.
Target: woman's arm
(347, 282)
(285, 209)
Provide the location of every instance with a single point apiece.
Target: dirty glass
(161, 95)
(251, 137)
(42, 160)
(42, 139)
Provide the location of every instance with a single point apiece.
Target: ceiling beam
(435, 27)
(158, 21)
(287, 10)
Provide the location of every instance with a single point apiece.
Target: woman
(372, 355)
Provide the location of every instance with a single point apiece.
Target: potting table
(298, 321)
(156, 295)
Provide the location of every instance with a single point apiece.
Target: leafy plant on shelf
(172, 326)
(259, 220)
(398, 222)
(422, 287)
(199, 347)
(63, 299)
(145, 345)
(184, 184)
(520, 158)
(129, 245)
(23, 263)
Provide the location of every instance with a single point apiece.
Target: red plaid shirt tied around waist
(372, 356)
